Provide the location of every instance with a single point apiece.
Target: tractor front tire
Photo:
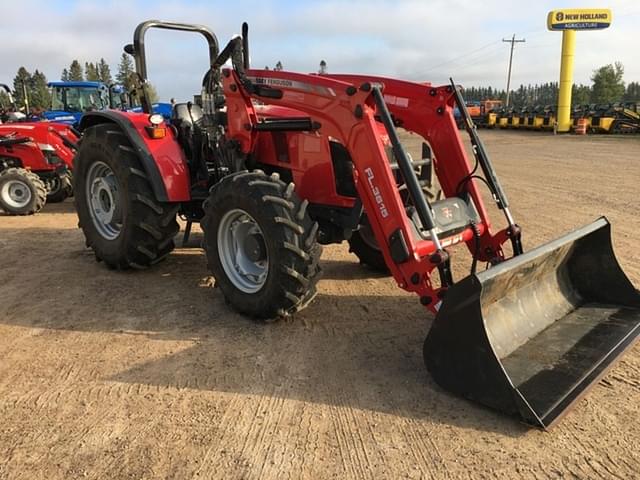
(21, 192)
(261, 245)
(122, 221)
(59, 187)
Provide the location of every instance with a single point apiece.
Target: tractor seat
(181, 117)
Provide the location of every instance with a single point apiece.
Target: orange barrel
(581, 127)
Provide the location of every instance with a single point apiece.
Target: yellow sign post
(568, 21)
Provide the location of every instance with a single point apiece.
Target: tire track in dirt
(223, 435)
(283, 437)
(309, 444)
(428, 451)
(350, 461)
(289, 452)
(253, 444)
(356, 428)
(583, 449)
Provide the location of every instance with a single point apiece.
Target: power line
(461, 56)
(513, 41)
(482, 58)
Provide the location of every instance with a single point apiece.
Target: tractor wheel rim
(54, 184)
(16, 193)
(242, 251)
(103, 193)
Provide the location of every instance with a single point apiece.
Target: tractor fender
(163, 160)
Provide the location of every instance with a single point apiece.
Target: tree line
(35, 84)
(607, 86)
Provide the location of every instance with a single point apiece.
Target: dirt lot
(150, 375)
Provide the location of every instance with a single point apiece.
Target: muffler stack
(529, 336)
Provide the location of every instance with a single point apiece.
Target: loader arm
(347, 112)
(428, 112)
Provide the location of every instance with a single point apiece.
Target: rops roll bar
(137, 49)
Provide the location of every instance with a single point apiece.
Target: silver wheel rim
(104, 200)
(237, 233)
(16, 193)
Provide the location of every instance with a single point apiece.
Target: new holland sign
(579, 19)
(568, 21)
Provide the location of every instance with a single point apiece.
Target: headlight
(45, 147)
(156, 119)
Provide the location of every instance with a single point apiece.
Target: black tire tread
(293, 285)
(367, 255)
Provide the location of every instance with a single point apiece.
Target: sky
(425, 40)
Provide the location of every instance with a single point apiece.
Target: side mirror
(130, 49)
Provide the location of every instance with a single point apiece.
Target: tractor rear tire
(122, 221)
(21, 192)
(364, 245)
(261, 245)
(59, 187)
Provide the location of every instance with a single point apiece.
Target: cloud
(412, 39)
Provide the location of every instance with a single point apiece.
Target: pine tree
(65, 75)
(126, 78)
(21, 84)
(580, 95)
(91, 71)
(104, 72)
(278, 66)
(39, 93)
(4, 100)
(323, 67)
(75, 72)
(125, 71)
(633, 92)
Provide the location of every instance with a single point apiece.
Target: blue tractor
(70, 100)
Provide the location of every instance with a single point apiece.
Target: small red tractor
(36, 159)
(275, 163)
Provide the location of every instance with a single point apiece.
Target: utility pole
(513, 41)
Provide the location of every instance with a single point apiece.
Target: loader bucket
(529, 336)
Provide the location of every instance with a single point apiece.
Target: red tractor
(275, 163)
(36, 159)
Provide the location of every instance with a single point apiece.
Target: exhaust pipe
(529, 336)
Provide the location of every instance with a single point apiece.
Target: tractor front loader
(275, 163)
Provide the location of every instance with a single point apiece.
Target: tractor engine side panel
(306, 159)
